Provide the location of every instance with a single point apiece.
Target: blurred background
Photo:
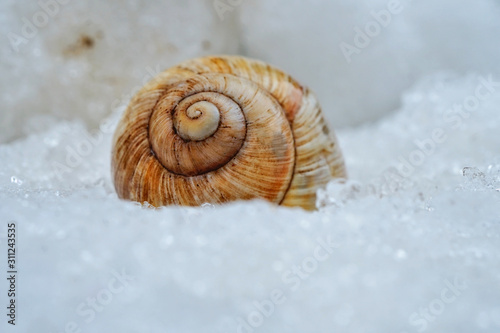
(63, 59)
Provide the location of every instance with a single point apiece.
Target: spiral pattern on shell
(219, 129)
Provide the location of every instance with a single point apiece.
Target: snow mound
(410, 243)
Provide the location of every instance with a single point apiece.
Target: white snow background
(410, 243)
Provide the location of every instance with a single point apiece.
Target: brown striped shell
(218, 129)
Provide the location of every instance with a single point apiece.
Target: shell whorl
(218, 129)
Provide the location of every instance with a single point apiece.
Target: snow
(396, 243)
(410, 243)
(413, 39)
(97, 52)
(133, 40)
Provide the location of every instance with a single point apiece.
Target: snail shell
(218, 129)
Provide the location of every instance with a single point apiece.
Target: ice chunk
(477, 180)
